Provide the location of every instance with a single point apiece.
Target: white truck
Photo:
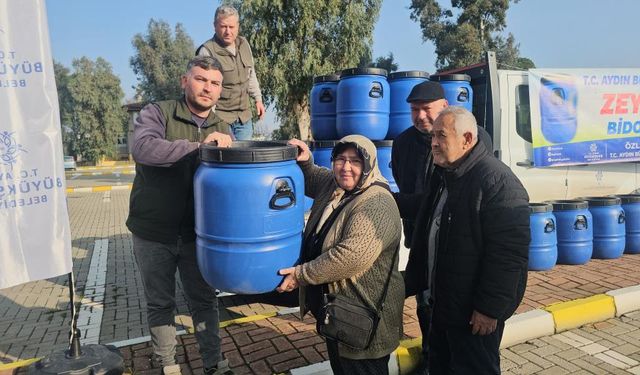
(501, 106)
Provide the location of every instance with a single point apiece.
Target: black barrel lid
(408, 74)
(629, 198)
(540, 207)
(243, 152)
(602, 201)
(555, 79)
(383, 143)
(451, 77)
(323, 144)
(569, 204)
(326, 78)
(363, 71)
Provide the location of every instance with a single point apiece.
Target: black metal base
(92, 360)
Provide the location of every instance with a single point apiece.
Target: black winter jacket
(482, 253)
(410, 158)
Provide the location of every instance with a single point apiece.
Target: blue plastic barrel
(363, 103)
(608, 227)
(631, 207)
(384, 162)
(558, 102)
(321, 151)
(323, 107)
(457, 89)
(543, 249)
(249, 203)
(574, 226)
(400, 84)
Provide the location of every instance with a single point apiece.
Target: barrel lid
(383, 143)
(540, 207)
(556, 78)
(451, 77)
(569, 204)
(248, 152)
(602, 201)
(326, 78)
(408, 74)
(629, 198)
(363, 71)
(323, 144)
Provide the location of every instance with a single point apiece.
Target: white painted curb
(626, 299)
(527, 326)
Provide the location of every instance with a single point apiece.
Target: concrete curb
(94, 189)
(546, 321)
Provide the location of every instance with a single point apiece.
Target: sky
(552, 33)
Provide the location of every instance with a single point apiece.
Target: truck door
(602, 179)
(541, 183)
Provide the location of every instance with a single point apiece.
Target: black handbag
(342, 319)
(349, 322)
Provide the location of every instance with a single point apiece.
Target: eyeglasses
(340, 161)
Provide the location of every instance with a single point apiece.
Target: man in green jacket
(238, 70)
(167, 136)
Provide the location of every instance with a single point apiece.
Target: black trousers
(423, 311)
(346, 366)
(454, 350)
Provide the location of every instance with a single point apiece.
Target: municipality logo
(10, 149)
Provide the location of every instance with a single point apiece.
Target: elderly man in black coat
(469, 248)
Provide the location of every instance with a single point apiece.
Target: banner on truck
(584, 116)
(35, 240)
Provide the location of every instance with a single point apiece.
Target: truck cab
(501, 106)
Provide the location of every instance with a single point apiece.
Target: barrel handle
(581, 223)
(463, 96)
(283, 190)
(326, 96)
(549, 226)
(376, 90)
(622, 218)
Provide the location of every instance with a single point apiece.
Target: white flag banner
(35, 240)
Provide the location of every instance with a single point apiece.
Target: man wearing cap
(412, 166)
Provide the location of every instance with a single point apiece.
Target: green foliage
(90, 107)
(461, 40)
(387, 63)
(295, 40)
(161, 59)
(508, 54)
(62, 76)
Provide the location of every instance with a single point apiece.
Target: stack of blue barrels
(369, 102)
(575, 231)
(361, 101)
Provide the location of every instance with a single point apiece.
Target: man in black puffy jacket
(469, 248)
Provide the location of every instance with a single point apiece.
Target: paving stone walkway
(34, 317)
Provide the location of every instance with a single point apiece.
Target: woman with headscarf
(358, 255)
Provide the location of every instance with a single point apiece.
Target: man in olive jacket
(469, 248)
(167, 136)
(238, 69)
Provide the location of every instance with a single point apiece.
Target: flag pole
(75, 350)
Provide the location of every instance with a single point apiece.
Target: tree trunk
(304, 121)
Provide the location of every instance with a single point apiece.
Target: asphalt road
(88, 177)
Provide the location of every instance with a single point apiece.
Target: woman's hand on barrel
(304, 153)
(221, 139)
(290, 282)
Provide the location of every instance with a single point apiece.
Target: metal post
(74, 334)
